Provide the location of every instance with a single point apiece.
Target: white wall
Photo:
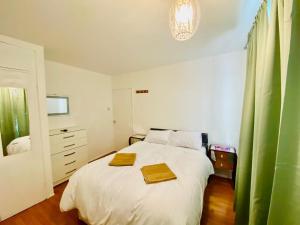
(205, 94)
(90, 104)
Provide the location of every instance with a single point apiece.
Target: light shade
(184, 18)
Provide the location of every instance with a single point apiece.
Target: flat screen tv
(57, 105)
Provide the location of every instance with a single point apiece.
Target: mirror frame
(60, 114)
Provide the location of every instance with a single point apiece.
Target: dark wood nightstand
(224, 160)
(135, 138)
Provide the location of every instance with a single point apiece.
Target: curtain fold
(269, 153)
(243, 182)
(14, 120)
(285, 207)
(267, 119)
(259, 133)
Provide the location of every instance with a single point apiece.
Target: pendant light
(184, 18)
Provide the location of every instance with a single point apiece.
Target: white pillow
(158, 136)
(187, 139)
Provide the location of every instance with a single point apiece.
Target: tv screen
(57, 105)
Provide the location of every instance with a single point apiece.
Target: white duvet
(18, 145)
(119, 196)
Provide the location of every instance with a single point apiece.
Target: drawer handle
(221, 164)
(69, 136)
(69, 154)
(69, 145)
(70, 171)
(222, 156)
(70, 163)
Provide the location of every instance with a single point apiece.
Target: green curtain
(285, 207)
(14, 120)
(268, 101)
(243, 182)
(260, 187)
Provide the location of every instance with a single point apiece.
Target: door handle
(114, 121)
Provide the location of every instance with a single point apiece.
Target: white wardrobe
(25, 179)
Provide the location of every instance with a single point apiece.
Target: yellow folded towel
(157, 173)
(123, 159)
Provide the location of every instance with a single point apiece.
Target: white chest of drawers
(68, 152)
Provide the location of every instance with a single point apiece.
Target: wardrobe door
(25, 159)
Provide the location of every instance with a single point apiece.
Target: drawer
(73, 135)
(72, 166)
(67, 145)
(66, 163)
(221, 155)
(69, 136)
(65, 130)
(223, 164)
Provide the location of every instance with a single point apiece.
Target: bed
(119, 195)
(18, 145)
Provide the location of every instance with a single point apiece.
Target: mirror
(14, 121)
(57, 105)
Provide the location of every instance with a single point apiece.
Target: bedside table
(135, 138)
(224, 159)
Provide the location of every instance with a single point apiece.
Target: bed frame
(204, 138)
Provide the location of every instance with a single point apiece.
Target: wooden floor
(218, 202)
(218, 208)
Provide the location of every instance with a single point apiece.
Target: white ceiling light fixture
(184, 18)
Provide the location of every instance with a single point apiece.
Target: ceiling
(116, 37)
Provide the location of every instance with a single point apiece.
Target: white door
(25, 166)
(122, 108)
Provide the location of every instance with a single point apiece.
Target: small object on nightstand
(224, 159)
(135, 138)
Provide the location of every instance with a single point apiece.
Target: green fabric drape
(285, 207)
(243, 182)
(14, 120)
(259, 133)
(269, 154)
(266, 124)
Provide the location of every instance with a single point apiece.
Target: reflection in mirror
(14, 121)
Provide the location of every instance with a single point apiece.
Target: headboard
(204, 138)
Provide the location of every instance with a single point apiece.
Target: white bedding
(119, 196)
(18, 145)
